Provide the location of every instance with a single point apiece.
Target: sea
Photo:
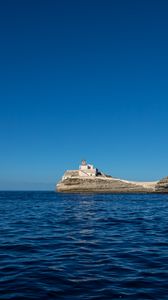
(83, 246)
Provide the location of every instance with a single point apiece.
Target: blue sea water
(62, 246)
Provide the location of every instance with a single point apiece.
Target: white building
(87, 169)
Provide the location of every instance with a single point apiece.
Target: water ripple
(56, 246)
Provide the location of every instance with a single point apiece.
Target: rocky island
(88, 179)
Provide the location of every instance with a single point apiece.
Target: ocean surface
(56, 246)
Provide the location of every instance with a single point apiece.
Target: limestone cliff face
(76, 184)
(162, 185)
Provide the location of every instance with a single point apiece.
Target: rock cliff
(71, 183)
(162, 185)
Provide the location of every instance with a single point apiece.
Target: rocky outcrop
(77, 184)
(162, 185)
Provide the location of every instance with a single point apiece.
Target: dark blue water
(55, 246)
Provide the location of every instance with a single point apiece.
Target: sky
(82, 80)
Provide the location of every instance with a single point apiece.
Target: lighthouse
(86, 170)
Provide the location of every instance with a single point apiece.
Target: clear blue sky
(82, 79)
